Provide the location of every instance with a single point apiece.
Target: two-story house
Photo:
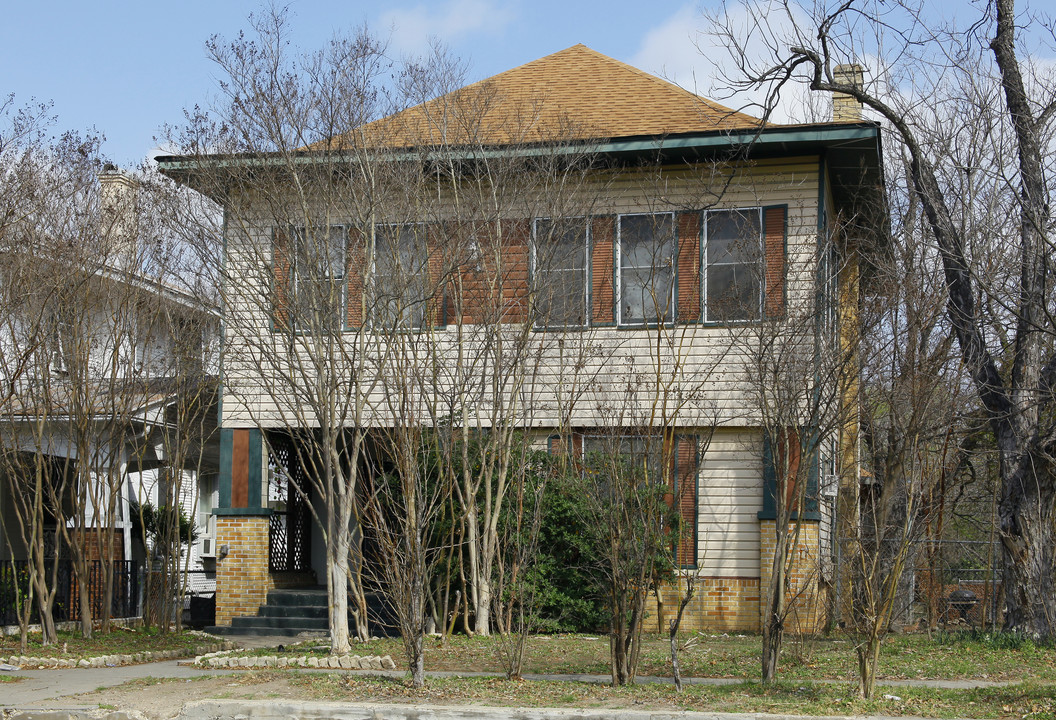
(636, 241)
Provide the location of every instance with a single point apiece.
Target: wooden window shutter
(689, 267)
(568, 444)
(775, 225)
(435, 312)
(358, 265)
(282, 280)
(602, 253)
(685, 499)
(515, 290)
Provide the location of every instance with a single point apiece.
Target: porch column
(242, 526)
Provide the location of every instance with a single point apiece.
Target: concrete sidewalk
(40, 686)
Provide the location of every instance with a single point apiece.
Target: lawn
(946, 656)
(120, 641)
(1026, 702)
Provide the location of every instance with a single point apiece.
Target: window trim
(760, 210)
(617, 267)
(588, 298)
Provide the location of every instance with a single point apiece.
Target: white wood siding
(729, 496)
(582, 377)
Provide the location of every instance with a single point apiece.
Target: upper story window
(647, 246)
(560, 267)
(318, 272)
(733, 270)
(399, 281)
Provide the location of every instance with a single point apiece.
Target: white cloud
(685, 50)
(669, 50)
(413, 28)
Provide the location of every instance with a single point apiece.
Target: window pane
(733, 292)
(733, 277)
(637, 454)
(561, 272)
(318, 271)
(647, 268)
(733, 236)
(399, 275)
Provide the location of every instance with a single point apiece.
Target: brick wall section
(720, 604)
(807, 597)
(242, 578)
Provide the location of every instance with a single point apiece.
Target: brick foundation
(242, 578)
(720, 604)
(807, 597)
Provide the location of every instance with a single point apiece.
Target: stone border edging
(333, 662)
(314, 710)
(51, 663)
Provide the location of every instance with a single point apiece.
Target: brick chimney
(119, 224)
(844, 107)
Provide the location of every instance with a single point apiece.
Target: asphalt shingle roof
(574, 94)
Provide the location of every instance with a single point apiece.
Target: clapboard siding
(730, 494)
(583, 376)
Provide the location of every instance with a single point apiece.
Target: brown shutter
(281, 282)
(434, 280)
(356, 271)
(472, 302)
(774, 223)
(515, 291)
(788, 459)
(685, 501)
(689, 267)
(570, 444)
(603, 236)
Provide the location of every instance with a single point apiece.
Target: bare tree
(970, 112)
(913, 426)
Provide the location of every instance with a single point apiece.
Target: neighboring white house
(109, 384)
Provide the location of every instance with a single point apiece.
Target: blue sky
(127, 68)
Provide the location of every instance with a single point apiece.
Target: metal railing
(15, 586)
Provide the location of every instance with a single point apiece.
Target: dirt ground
(163, 700)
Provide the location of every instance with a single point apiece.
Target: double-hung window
(399, 280)
(318, 276)
(639, 455)
(559, 264)
(733, 255)
(647, 249)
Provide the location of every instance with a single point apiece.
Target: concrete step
(229, 630)
(293, 623)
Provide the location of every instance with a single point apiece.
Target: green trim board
(254, 467)
(242, 512)
(224, 479)
(811, 506)
(822, 134)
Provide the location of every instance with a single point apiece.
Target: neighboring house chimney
(844, 107)
(119, 223)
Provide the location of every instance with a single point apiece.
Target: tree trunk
(774, 621)
(416, 653)
(84, 600)
(337, 583)
(868, 659)
(1028, 540)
